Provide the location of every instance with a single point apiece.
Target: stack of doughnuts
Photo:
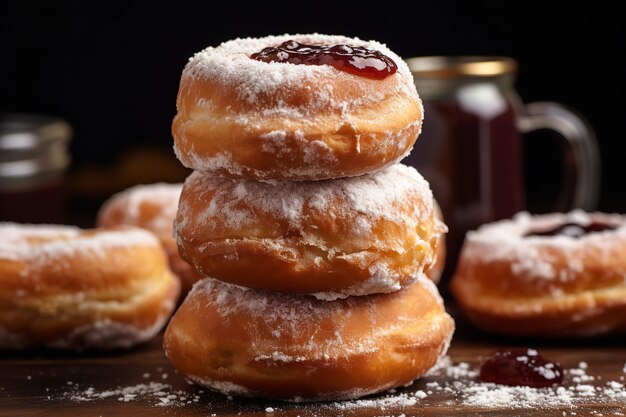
(315, 242)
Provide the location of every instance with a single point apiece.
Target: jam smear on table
(355, 60)
(520, 367)
(574, 230)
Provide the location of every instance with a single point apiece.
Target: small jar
(34, 158)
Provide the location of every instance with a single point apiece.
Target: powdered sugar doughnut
(252, 119)
(240, 341)
(63, 287)
(547, 275)
(152, 207)
(351, 236)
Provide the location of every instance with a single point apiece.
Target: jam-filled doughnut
(240, 341)
(546, 275)
(66, 288)
(295, 107)
(151, 207)
(352, 236)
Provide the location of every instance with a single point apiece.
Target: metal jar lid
(445, 67)
(32, 145)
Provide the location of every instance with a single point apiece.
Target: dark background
(112, 69)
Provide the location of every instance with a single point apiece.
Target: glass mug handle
(582, 142)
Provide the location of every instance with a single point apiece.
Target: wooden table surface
(42, 384)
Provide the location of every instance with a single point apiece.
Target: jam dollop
(355, 60)
(520, 367)
(574, 230)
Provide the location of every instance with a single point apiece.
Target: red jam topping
(574, 230)
(355, 60)
(520, 367)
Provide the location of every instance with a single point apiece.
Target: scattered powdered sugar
(461, 370)
(150, 206)
(448, 383)
(400, 400)
(159, 394)
(494, 396)
(458, 385)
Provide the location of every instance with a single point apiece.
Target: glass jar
(33, 160)
(470, 149)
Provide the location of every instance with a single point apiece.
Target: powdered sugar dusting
(97, 243)
(284, 313)
(277, 356)
(319, 160)
(378, 283)
(16, 242)
(287, 315)
(230, 62)
(36, 243)
(374, 195)
(300, 116)
(331, 222)
(150, 206)
(509, 231)
(402, 400)
(107, 334)
(382, 281)
(531, 256)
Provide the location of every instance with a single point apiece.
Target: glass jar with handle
(471, 148)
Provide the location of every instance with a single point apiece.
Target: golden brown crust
(544, 286)
(352, 236)
(255, 343)
(436, 269)
(66, 288)
(249, 119)
(151, 207)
